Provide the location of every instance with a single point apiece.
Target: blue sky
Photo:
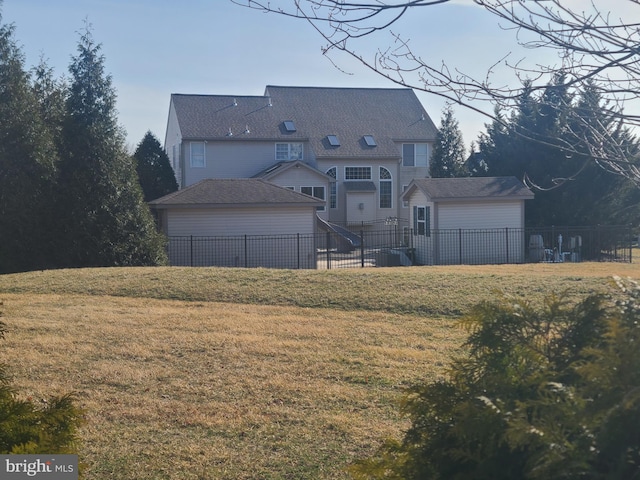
(157, 47)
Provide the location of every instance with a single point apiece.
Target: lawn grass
(437, 291)
(231, 373)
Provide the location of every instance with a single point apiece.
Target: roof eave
(201, 206)
(491, 198)
(242, 137)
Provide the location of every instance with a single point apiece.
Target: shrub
(550, 393)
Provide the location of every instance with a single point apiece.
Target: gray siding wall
(241, 221)
(470, 233)
(234, 159)
(173, 144)
(301, 177)
(480, 215)
(478, 247)
(254, 251)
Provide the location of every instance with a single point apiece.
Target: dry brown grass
(223, 373)
(436, 291)
(207, 390)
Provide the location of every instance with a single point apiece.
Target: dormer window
(289, 126)
(333, 140)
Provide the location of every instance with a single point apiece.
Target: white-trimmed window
(386, 189)
(422, 221)
(316, 192)
(414, 154)
(357, 173)
(197, 155)
(405, 203)
(333, 188)
(289, 151)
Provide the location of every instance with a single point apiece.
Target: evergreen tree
(106, 221)
(526, 145)
(597, 195)
(542, 162)
(51, 94)
(541, 393)
(448, 157)
(154, 170)
(475, 165)
(495, 150)
(27, 166)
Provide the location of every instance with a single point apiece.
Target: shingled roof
(234, 192)
(488, 188)
(388, 114)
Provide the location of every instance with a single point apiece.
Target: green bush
(551, 393)
(28, 428)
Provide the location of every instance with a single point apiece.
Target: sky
(154, 48)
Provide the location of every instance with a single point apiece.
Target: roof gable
(279, 168)
(235, 192)
(470, 188)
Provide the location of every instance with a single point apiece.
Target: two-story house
(355, 148)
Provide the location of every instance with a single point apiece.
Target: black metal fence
(509, 245)
(395, 246)
(600, 243)
(246, 251)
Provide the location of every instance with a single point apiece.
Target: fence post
(191, 250)
(361, 248)
(298, 248)
(631, 243)
(246, 252)
(411, 247)
(506, 233)
(460, 245)
(328, 250)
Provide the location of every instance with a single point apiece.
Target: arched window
(333, 188)
(386, 188)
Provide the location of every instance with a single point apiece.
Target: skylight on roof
(289, 126)
(333, 140)
(370, 141)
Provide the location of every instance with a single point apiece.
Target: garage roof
(234, 192)
(487, 188)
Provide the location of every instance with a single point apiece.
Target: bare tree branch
(591, 47)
